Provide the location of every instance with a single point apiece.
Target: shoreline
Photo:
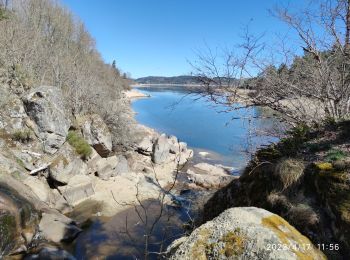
(134, 94)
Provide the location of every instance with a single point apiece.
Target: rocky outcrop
(97, 134)
(164, 149)
(245, 233)
(45, 106)
(209, 176)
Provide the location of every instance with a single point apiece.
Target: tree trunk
(347, 33)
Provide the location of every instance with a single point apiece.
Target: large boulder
(97, 134)
(161, 150)
(45, 106)
(108, 167)
(61, 170)
(79, 188)
(56, 227)
(18, 221)
(245, 233)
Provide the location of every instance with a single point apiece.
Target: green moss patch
(79, 144)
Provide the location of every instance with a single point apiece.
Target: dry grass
(302, 215)
(289, 171)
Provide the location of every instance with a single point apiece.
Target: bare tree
(305, 89)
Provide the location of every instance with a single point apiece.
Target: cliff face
(305, 179)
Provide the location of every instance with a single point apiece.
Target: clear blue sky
(158, 37)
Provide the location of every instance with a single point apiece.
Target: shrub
(335, 155)
(289, 171)
(79, 144)
(22, 136)
(302, 215)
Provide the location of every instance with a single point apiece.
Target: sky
(160, 37)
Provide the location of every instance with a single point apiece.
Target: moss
(324, 166)
(79, 144)
(8, 231)
(199, 249)
(20, 162)
(234, 243)
(286, 233)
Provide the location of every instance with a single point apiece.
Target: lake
(203, 125)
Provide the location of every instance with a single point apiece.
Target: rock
(174, 145)
(40, 188)
(122, 166)
(160, 150)
(56, 227)
(209, 176)
(145, 146)
(245, 233)
(97, 134)
(109, 167)
(61, 170)
(51, 253)
(45, 106)
(79, 188)
(18, 221)
(12, 112)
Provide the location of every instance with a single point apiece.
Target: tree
(305, 89)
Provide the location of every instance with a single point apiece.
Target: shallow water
(201, 125)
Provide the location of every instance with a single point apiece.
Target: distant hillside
(179, 80)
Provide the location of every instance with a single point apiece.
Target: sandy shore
(134, 94)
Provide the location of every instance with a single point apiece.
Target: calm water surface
(201, 125)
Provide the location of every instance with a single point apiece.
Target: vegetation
(79, 144)
(306, 86)
(308, 187)
(23, 136)
(42, 43)
(179, 80)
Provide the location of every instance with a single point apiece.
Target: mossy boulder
(245, 233)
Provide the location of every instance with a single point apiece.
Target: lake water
(203, 126)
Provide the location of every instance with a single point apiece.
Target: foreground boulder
(97, 134)
(18, 220)
(45, 106)
(245, 233)
(161, 150)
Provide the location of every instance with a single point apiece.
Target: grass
(79, 144)
(335, 155)
(289, 171)
(23, 136)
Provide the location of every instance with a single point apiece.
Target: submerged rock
(245, 233)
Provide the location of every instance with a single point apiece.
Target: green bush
(335, 155)
(79, 144)
(22, 136)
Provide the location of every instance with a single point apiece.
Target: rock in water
(245, 233)
(45, 106)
